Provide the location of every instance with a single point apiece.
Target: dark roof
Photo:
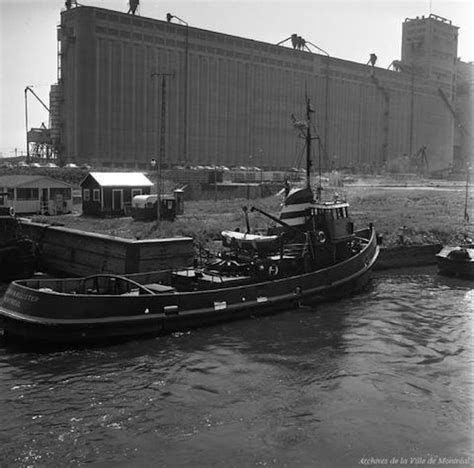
(13, 181)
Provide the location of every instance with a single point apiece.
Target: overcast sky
(348, 29)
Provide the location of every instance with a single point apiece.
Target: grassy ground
(430, 214)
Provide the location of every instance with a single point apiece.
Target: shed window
(136, 192)
(27, 194)
(96, 195)
(87, 194)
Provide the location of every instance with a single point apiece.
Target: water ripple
(388, 370)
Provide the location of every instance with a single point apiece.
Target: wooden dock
(78, 253)
(407, 256)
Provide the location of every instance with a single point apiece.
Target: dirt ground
(408, 211)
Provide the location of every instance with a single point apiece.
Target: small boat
(249, 242)
(457, 261)
(310, 253)
(18, 254)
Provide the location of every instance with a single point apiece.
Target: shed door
(117, 200)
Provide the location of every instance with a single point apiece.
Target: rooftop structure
(429, 47)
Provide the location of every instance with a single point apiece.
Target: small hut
(111, 193)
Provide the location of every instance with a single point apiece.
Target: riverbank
(403, 215)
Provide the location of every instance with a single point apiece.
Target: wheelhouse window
(333, 213)
(322, 212)
(329, 214)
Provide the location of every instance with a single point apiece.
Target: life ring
(11, 210)
(273, 270)
(321, 237)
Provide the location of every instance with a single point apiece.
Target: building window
(136, 192)
(27, 194)
(96, 195)
(65, 193)
(86, 195)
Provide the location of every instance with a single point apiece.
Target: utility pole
(169, 17)
(186, 94)
(162, 152)
(466, 214)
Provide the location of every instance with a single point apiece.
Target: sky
(347, 29)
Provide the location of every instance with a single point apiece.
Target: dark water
(385, 374)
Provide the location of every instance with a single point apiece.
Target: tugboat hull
(61, 311)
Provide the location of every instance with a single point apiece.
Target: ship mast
(466, 214)
(308, 143)
(308, 138)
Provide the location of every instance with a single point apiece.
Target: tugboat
(18, 254)
(310, 253)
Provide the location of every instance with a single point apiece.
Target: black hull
(450, 263)
(23, 331)
(456, 269)
(18, 262)
(28, 314)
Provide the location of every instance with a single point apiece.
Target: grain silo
(229, 99)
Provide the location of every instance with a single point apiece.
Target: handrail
(110, 276)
